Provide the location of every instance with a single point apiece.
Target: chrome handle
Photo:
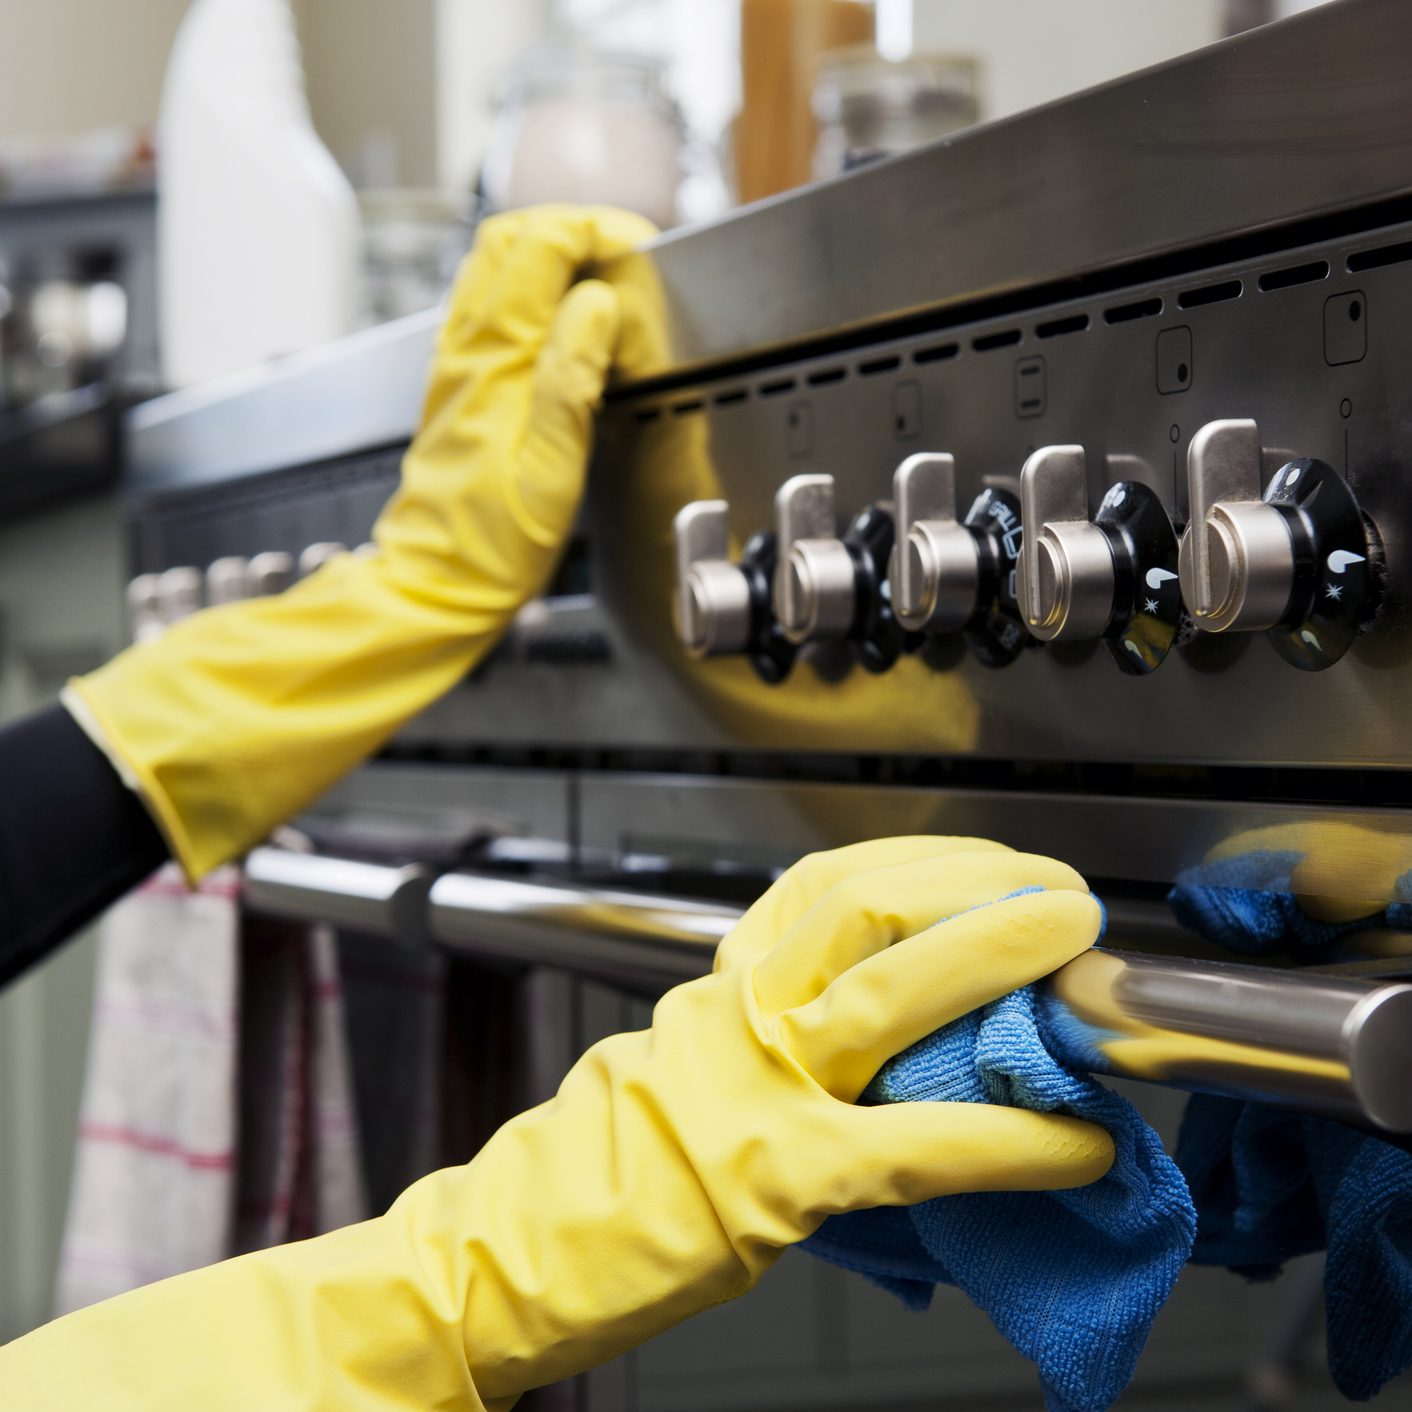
(1331, 1045)
(365, 897)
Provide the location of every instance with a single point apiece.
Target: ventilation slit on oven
(729, 399)
(1004, 339)
(1292, 275)
(879, 365)
(1138, 309)
(1379, 256)
(936, 353)
(1210, 294)
(1057, 328)
(684, 409)
(824, 376)
(648, 414)
(773, 389)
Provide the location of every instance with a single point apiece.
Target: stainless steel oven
(1048, 484)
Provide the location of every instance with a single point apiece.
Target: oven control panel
(1164, 524)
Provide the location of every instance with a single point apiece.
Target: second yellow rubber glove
(668, 1174)
(240, 716)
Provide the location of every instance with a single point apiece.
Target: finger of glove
(568, 386)
(896, 997)
(791, 895)
(510, 285)
(899, 1154)
(868, 912)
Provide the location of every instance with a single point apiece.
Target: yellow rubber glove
(669, 1172)
(237, 718)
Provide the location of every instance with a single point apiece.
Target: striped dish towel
(218, 1111)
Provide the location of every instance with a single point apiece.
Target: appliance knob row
(155, 601)
(1297, 559)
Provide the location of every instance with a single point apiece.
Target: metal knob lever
(936, 564)
(1237, 557)
(815, 586)
(712, 599)
(1298, 559)
(1066, 575)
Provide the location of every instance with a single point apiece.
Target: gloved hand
(238, 717)
(670, 1171)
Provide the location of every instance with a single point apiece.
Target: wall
(70, 65)
(1034, 51)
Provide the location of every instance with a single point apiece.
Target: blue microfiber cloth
(1073, 1279)
(1269, 1184)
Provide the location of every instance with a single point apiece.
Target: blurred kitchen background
(430, 113)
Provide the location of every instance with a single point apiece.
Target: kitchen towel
(217, 1113)
(154, 1162)
(1269, 1184)
(1073, 1279)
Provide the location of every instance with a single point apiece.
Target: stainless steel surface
(1289, 122)
(1065, 571)
(271, 571)
(314, 556)
(712, 597)
(619, 935)
(935, 569)
(227, 579)
(814, 594)
(1237, 557)
(1338, 1047)
(360, 392)
(1327, 1045)
(178, 592)
(365, 897)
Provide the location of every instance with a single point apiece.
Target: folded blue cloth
(1073, 1279)
(1269, 1184)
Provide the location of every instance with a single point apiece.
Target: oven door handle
(1324, 1044)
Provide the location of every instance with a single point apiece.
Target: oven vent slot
(773, 389)
(1057, 328)
(1381, 255)
(648, 414)
(1138, 309)
(879, 365)
(685, 409)
(729, 399)
(1004, 339)
(936, 352)
(825, 376)
(1209, 294)
(1291, 275)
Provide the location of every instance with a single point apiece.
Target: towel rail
(1325, 1044)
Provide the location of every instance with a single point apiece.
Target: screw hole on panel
(1345, 409)
(1175, 433)
(1183, 372)
(1355, 311)
(900, 423)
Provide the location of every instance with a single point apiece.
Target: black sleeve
(73, 837)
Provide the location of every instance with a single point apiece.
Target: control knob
(1299, 561)
(721, 607)
(1113, 577)
(949, 575)
(832, 588)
